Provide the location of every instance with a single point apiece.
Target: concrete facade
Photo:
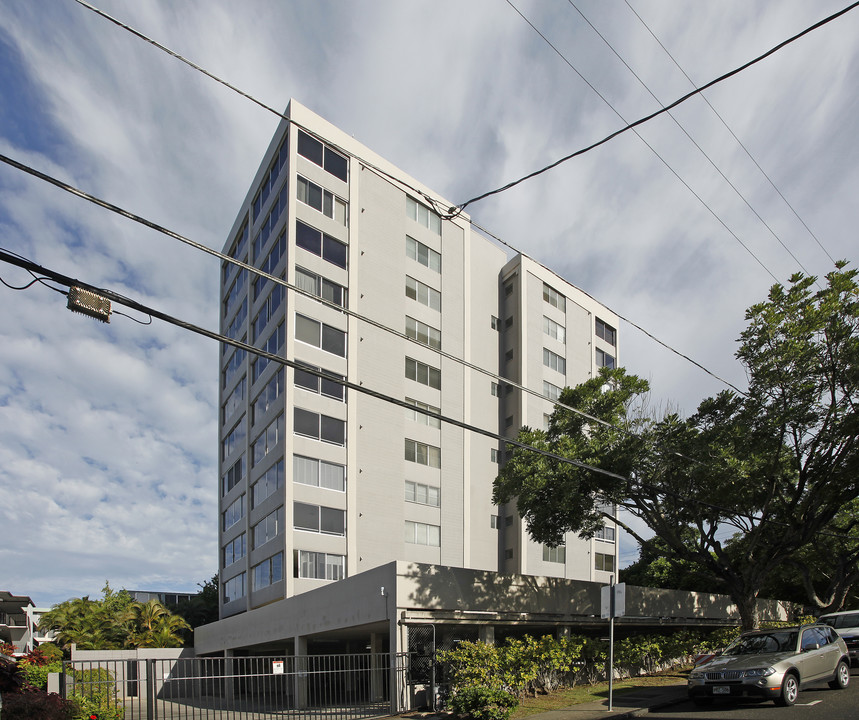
(320, 485)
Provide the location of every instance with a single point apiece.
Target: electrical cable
(437, 204)
(695, 143)
(280, 281)
(646, 118)
(17, 260)
(733, 134)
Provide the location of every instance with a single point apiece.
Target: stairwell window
(422, 534)
(604, 562)
(422, 215)
(554, 361)
(423, 254)
(604, 359)
(553, 297)
(422, 454)
(423, 333)
(321, 199)
(606, 332)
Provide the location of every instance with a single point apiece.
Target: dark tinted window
(336, 164)
(310, 148)
(308, 238)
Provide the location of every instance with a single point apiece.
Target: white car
(846, 624)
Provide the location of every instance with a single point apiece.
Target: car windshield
(762, 643)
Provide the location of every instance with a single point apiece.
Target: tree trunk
(747, 604)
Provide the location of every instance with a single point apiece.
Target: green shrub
(95, 692)
(483, 703)
(37, 674)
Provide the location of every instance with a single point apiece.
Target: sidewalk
(632, 703)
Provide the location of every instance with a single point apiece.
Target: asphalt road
(817, 703)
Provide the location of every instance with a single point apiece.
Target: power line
(694, 142)
(17, 260)
(733, 134)
(639, 136)
(437, 204)
(652, 115)
(134, 305)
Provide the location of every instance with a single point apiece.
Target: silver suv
(774, 664)
(846, 624)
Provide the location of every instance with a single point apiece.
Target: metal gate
(323, 687)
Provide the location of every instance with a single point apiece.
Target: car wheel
(789, 691)
(842, 677)
(702, 701)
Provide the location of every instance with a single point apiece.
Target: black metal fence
(327, 687)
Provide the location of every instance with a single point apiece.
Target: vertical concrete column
(377, 667)
(486, 634)
(229, 678)
(300, 672)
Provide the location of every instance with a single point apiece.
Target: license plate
(721, 690)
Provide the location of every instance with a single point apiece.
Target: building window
(551, 392)
(423, 254)
(235, 439)
(494, 522)
(235, 550)
(318, 473)
(268, 226)
(494, 322)
(267, 310)
(320, 287)
(320, 385)
(604, 359)
(235, 512)
(424, 294)
(508, 554)
(319, 565)
(273, 345)
(494, 455)
(268, 528)
(268, 484)
(553, 297)
(604, 561)
(554, 361)
(605, 533)
(322, 155)
(423, 374)
(321, 199)
(508, 421)
(494, 389)
(320, 244)
(508, 323)
(269, 265)
(508, 356)
(234, 588)
(319, 427)
(319, 519)
(423, 454)
(508, 521)
(268, 572)
(420, 417)
(233, 366)
(422, 534)
(267, 440)
(269, 180)
(320, 335)
(237, 326)
(508, 289)
(547, 420)
(554, 330)
(235, 400)
(235, 291)
(422, 215)
(234, 475)
(554, 554)
(423, 333)
(237, 250)
(606, 332)
(267, 396)
(423, 494)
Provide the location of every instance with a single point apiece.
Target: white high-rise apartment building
(319, 482)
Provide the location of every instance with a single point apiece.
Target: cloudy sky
(108, 434)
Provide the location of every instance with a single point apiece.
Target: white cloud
(107, 464)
